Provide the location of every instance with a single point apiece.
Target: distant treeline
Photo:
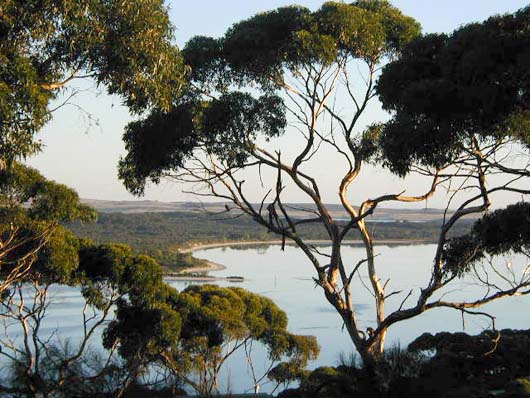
(162, 234)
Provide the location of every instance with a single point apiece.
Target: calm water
(286, 277)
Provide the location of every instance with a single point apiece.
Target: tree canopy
(193, 333)
(446, 89)
(458, 104)
(261, 52)
(125, 46)
(34, 243)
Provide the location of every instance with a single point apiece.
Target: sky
(82, 144)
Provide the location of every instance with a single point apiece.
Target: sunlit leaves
(45, 200)
(291, 37)
(259, 46)
(214, 316)
(194, 331)
(125, 46)
(31, 207)
(23, 105)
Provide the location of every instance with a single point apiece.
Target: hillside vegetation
(161, 235)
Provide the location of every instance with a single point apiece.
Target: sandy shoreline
(211, 266)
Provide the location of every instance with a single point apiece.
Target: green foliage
(115, 266)
(291, 37)
(46, 200)
(367, 146)
(202, 54)
(160, 234)
(236, 314)
(367, 30)
(145, 323)
(31, 207)
(505, 230)
(261, 45)
(23, 105)
(226, 127)
(216, 318)
(125, 46)
(493, 363)
(464, 365)
(258, 52)
(445, 89)
(143, 332)
(108, 276)
(104, 262)
(231, 124)
(194, 331)
(502, 231)
(299, 349)
(160, 141)
(57, 261)
(460, 253)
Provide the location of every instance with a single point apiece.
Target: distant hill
(141, 206)
(297, 209)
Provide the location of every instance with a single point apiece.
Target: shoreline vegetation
(171, 238)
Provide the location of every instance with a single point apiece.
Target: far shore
(204, 246)
(211, 266)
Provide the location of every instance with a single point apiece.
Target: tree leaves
(222, 111)
(500, 232)
(225, 127)
(445, 89)
(125, 46)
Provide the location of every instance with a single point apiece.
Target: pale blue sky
(84, 155)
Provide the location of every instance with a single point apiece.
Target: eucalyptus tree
(31, 211)
(40, 363)
(298, 64)
(460, 108)
(458, 101)
(190, 335)
(127, 47)
(32, 261)
(187, 335)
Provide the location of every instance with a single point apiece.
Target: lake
(286, 278)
